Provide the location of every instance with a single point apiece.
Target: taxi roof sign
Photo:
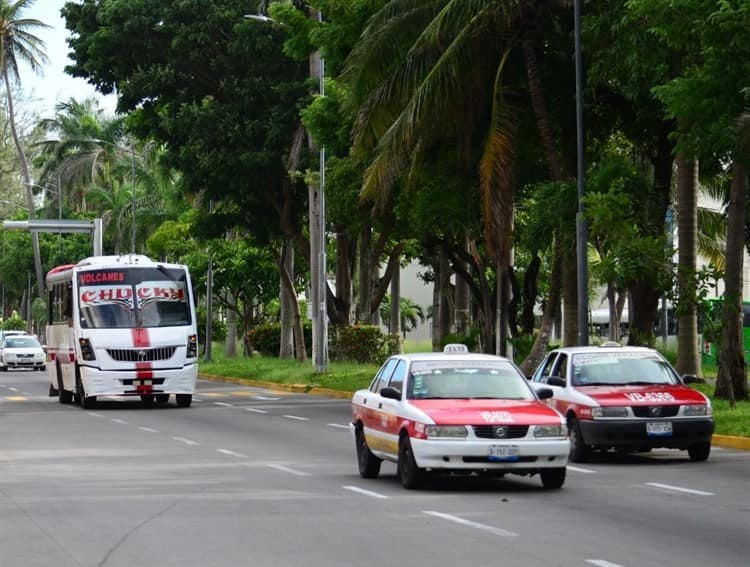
(456, 348)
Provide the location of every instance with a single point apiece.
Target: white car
(455, 412)
(21, 351)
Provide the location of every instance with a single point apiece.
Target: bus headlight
(192, 346)
(87, 351)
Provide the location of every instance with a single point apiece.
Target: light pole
(317, 213)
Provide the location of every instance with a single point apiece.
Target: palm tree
(17, 42)
(419, 80)
(412, 314)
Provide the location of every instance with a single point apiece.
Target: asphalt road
(248, 477)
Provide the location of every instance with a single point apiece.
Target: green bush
(365, 344)
(266, 339)
(470, 339)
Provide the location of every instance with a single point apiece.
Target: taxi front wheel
(579, 451)
(369, 464)
(409, 473)
(553, 478)
(699, 451)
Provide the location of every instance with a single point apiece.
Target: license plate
(503, 453)
(661, 428)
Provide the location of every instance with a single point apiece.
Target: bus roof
(109, 261)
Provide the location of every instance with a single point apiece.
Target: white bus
(121, 326)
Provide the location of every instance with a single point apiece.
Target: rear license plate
(659, 428)
(503, 453)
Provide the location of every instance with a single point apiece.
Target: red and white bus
(121, 326)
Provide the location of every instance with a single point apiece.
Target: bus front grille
(141, 354)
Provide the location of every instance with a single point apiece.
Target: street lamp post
(317, 212)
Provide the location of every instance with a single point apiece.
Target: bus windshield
(129, 297)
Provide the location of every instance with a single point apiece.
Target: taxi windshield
(21, 342)
(621, 369)
(446, 380)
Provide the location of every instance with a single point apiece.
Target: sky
(54, 85)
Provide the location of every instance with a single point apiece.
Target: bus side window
(68, 301)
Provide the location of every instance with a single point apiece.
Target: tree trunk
(27, 185)
(613, 332)
(299, 337)
(642, 308)
(462, 300)
(340, 309)
(230, 342)
(365, 275)
(570, 300)
(445, 296)
(539, 348)
(395, 326)
(688, 360)
(286, 303)
(731, 379)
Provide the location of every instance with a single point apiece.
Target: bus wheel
(162, 398)
(87, 402)
(63, 396)
(184, 400)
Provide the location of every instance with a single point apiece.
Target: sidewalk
(725, 441)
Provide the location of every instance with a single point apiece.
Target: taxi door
(388, 410)
(372, 404)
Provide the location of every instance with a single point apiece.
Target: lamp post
(317, 213)
(581, 225)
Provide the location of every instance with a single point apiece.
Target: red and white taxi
(457, 412)
(625, 398)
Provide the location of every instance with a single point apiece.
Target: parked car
(625, 398)
(460, 413)
(21, 351)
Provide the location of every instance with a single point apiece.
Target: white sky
(54, 85)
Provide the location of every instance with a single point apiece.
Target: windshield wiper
(642, 383)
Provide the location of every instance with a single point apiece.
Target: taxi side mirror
(691, 379)
(544, 393)
(556, 381)
(391, 393)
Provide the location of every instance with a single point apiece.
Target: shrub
(470, 339)
(266, 339)
(362, 343)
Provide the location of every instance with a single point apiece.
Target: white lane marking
(254, 410)
(222, 404)
(120, 421)
(364, 492)
(12, 389)
(602, 563)
(232, 453)
(298, 418)
(290, 470)
(149, 430)
(94, 414)
(26, 393)
(470, 524)
(580, 469)
(679, 489)
(338, 425)
(186, 441)
(266, 398)
(197, 400)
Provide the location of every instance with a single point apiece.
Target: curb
(725, 441)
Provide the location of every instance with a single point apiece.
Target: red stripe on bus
(140, 337)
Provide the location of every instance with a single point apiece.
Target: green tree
(18, 42)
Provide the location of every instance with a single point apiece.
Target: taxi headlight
(445, 431)
(614, 411)
(550, 431)
(698, 410)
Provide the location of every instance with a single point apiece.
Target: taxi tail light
(87, 351)
(192, 346)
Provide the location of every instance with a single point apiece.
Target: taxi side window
(397, 378)
(383, 375)
(561, 367)
(546, 369)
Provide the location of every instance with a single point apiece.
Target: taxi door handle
(380, 405)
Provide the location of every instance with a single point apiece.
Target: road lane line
(12, 389)
(364, 492)
(94, 414)
(290, 470)
(470, 524)
(120, 421)
(602, 563)
(679, 489)
(148, 429)
(298, 418)
(266, 398)
(26, 393)
(256, 410)
(15, 398)
(223, 404)
(186, 441)
(232, 453)
(338, 425)
(580, 470)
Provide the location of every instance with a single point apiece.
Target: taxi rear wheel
(369, 464)
(579, 451)
(409, 473)
(553, 478)
(699, 451)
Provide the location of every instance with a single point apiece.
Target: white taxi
(457, 412)
(625, 398)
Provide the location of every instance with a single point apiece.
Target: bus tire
(184, 400)
(162, 398)
(63, 396)
(87, 402)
